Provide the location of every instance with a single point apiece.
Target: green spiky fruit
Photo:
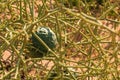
(48, 36)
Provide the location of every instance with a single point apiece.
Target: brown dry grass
(77, 55)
